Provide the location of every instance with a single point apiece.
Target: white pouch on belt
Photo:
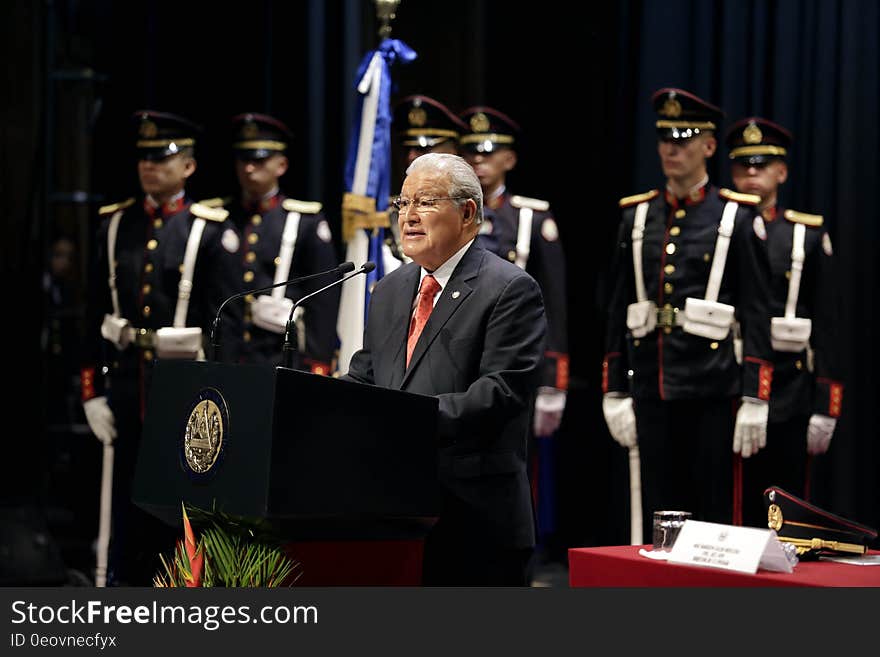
(708, 319)
(270, 313)
(184, 342)
(641, 318)
(116, 330)
(790, 334)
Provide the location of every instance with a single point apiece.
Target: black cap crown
(160, 134)
(423, 122)
(257, 136)
(683, 115)
(488, 130)
(756, 140)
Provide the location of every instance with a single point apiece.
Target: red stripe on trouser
(737, 490)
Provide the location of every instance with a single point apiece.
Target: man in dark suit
(462, 324)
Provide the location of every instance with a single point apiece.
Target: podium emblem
(206, 432)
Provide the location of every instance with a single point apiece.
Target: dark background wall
(579, 84)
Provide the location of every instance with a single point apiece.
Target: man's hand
(549, 405)
(819, 433)
(750, 432)
(100, 419)
(620, 418)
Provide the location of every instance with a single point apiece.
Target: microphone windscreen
(345, 267)
(368, 267)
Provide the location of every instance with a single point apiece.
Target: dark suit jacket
(480, 354)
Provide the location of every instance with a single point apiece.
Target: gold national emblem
(148, 129)
(249, 130)
(479, 122)
(671, 108)
(204, 436)
(774, 517)
(417, 117)
(752, 134)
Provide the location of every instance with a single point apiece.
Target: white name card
(742, 549)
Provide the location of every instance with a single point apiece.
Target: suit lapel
(456, 291)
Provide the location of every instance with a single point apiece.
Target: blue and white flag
(367, 185)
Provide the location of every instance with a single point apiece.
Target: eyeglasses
(404, 205)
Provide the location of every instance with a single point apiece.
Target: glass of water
(667, 524)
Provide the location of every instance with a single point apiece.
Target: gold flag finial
(385, 12)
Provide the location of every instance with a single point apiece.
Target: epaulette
(211, 214)
(303, 207)
(627, 201)
(216, 202)
(814, 220)
(531, 203)
(739, 197)
(110, 209)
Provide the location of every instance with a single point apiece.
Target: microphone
(289, 351)
(342, 268)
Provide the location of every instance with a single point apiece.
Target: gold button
(247, 336)
(152, 244)
(667, 288)
(713, 345)
(706, 257)
(680, 213)
(636, 343)
(250, 257)
(146, 311)
(248, 276)
(798, 364)
(157, 223)
(675, 231)
(180, 268)
(511, 255)
(148, 268)
(253, 238)
(787, 275)
(670, 248)
(669, 269)
(148, 355)
(277, 260)
(667, 330)
(147, 288)
(249, 298)
(256, 220)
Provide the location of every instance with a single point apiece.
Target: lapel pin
(456, 294)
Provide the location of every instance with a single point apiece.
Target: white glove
(100, 419)
(819, 433)
(750, 432)
(549, 405)
(620, 418)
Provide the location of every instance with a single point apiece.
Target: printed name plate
(742, 549)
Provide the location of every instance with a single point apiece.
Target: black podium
(321, 457)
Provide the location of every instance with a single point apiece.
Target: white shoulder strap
(112, 232)
(285, 254)
(638, 236)
(184, 288)
(722, 244)
(797, 267)
(524, 237)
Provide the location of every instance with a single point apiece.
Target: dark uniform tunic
(260, 227)
(685, 386)
(149, 251)
(803, 384)
(546, 264)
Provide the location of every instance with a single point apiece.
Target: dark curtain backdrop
(579, 82)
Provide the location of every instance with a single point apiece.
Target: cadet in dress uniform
(688, 276)
(162, 262)
(281, 238)
(807, 389)
(522, 230)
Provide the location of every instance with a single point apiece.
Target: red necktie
(427, 290)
